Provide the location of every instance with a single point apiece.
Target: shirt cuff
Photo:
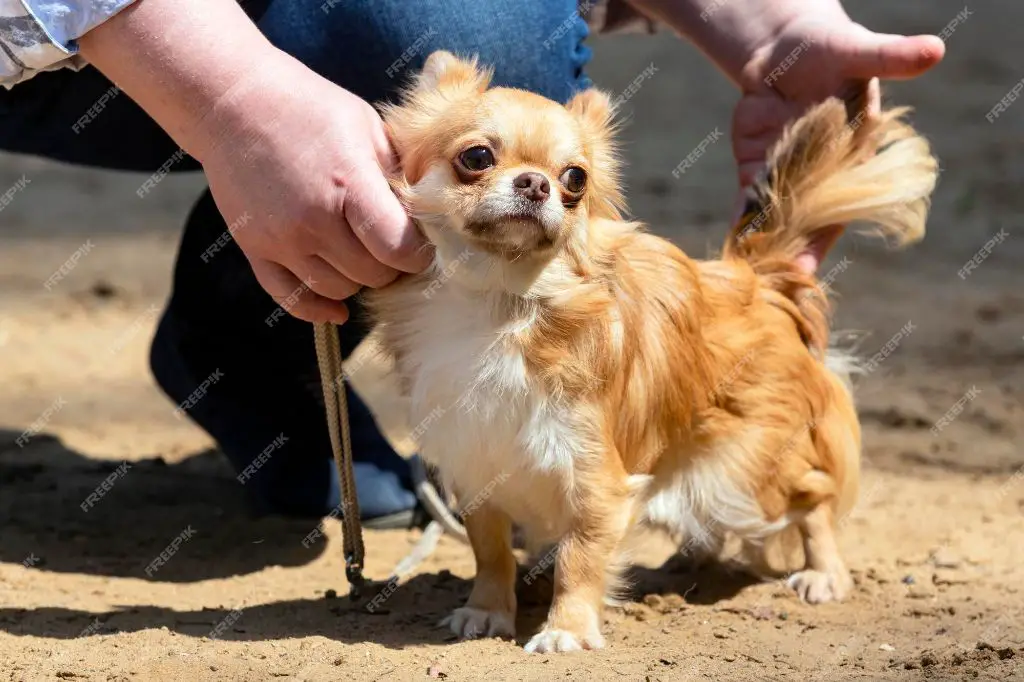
(42, 35)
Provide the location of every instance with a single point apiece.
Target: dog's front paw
(817, 587)
(470, 623)
(552, 640)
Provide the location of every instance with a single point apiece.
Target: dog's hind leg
(825, 577)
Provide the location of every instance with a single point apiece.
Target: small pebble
(943, 558)
(907, 579)
(886, 647)
(331, 594)
(921, 592)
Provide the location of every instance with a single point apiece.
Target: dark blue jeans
(215, 320)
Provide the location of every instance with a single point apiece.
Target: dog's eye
(477, 159)
(574, 179)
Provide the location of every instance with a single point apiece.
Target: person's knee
(373, 48)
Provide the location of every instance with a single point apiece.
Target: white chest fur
(476, 412)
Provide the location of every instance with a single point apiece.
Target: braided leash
(332, 378)
(328, 355)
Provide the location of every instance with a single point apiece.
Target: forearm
(180, 59)
(730, 31)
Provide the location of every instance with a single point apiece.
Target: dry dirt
(936, 544)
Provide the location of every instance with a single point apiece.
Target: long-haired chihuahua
(577, 376)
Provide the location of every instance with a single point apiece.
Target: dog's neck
(529, 276)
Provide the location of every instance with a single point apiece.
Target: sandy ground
(936, 544)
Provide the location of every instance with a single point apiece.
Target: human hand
(816, 55)
(306, 160)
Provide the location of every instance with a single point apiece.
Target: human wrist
(243, 112)
(177, 59)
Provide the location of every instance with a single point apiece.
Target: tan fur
(627, 374)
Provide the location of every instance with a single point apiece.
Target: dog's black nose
(533, 186)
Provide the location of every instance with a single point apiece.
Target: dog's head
(502, 173)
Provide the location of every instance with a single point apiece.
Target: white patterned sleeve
(42, 35)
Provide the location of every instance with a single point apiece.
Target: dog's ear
(445, 72)
(595, 112)
(593, 108)
(443, 80)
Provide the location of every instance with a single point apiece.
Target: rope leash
(332, 378)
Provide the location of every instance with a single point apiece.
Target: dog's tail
(829, 170)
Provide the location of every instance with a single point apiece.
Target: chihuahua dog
(576, 376)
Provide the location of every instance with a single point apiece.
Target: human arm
(303, 158)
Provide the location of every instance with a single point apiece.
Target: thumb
(866, 54)
(380, 222)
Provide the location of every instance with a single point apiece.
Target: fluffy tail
(826, 171)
